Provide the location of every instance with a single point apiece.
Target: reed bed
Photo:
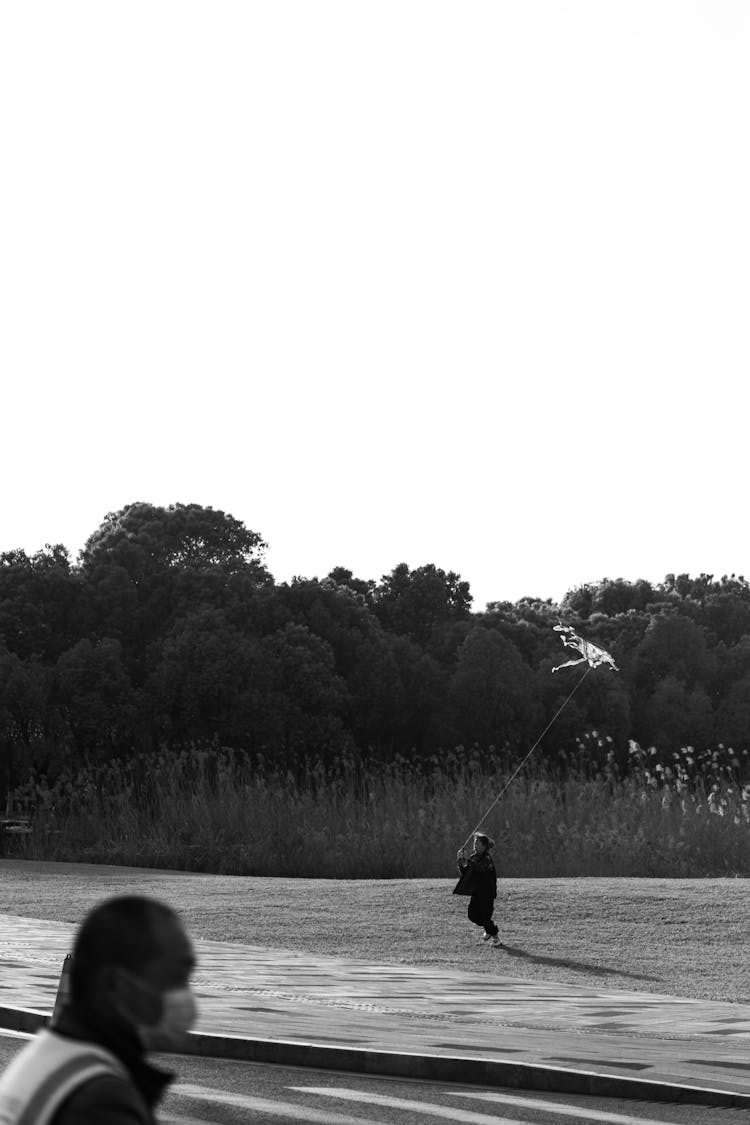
(214, 810)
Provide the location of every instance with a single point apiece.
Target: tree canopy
(170, 630)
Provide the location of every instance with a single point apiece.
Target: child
(479, 879)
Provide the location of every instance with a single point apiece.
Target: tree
(527, 624)
(413, 690)
(42, 602)
(145, 566)
(727, 610)
(24, 687)
(676, 716)
(310, 699)
(578, 602)
(144, 538)
(492, 692)
(412, 602)
(206, 681)
(339, 615)
(673, 646)
(277, 694)
(95, 700)
(732, 721)
(610, 597)
(686, 588)
(619, 596)
(363, 589)
(334, 612)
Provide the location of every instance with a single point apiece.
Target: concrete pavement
(294, 1008)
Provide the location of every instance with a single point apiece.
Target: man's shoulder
(107, 1099)
(51, 1070)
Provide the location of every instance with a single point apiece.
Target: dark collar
(78, 1021)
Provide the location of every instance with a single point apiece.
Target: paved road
(213, 1092)
(277, 995)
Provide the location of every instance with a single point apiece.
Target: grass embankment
(681, 937)
(214, 811)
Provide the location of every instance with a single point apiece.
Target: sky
(393, 281)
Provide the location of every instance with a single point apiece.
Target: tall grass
(218, 811)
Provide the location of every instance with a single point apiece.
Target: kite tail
(518, 768)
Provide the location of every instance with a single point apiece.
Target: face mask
(179, 1012)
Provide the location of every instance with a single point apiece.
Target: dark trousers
(481, 908)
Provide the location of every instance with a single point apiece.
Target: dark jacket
(108, 1099)
(478, 876)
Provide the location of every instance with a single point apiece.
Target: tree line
(169, 630)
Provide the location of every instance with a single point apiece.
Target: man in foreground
(129, 993)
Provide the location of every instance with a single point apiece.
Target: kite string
(531, 751)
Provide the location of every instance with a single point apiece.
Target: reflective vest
(46, 1072)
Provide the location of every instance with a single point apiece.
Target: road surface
(217, 1092)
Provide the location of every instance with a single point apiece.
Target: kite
(590, 654)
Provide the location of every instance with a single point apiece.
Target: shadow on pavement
(580, 966)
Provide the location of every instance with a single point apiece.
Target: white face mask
(179, 1012)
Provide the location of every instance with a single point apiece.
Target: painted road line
(469, 1117)
(175, 1119)
(556, 1107)
(273, 1108)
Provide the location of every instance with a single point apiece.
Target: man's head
(482, 843)
(132, 960)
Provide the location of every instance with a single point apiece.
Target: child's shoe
(497, 944)
(486, 937)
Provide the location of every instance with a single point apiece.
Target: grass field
(683, 937)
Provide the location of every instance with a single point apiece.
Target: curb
(464, 1070)
(23, 1019)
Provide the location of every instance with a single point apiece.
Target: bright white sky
(389, 281)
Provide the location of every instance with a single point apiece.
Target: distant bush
(355, 817)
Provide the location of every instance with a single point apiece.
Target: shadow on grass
(577, 966)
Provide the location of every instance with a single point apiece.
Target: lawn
(678, 936)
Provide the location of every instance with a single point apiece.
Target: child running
(479, 879)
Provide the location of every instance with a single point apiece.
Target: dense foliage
(224, 811)
(169, 631)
